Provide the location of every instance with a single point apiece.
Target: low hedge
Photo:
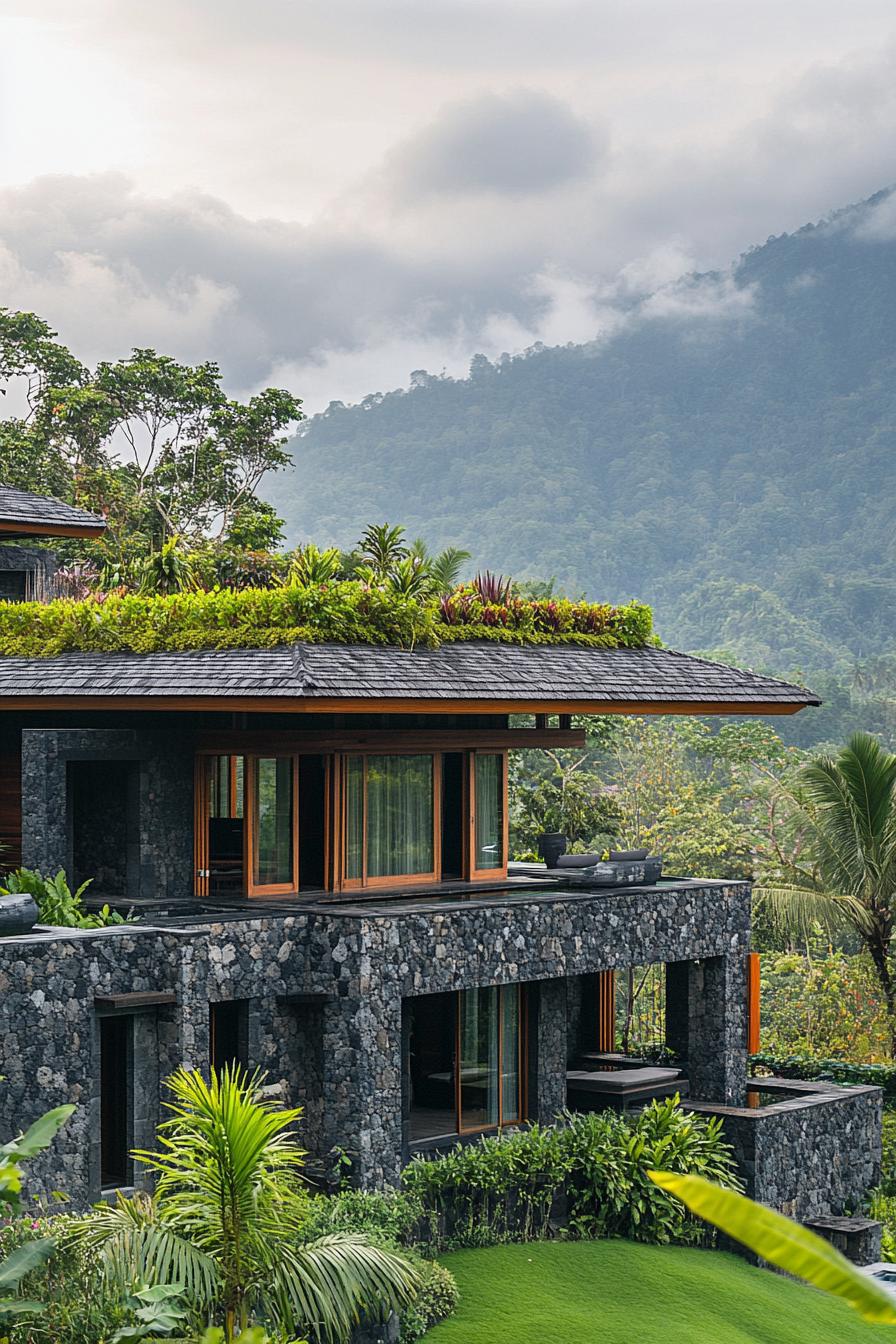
(347, 612)
(830, 1071)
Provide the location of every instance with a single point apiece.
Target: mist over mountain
(727, 454)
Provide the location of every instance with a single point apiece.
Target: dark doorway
(228, 1031)
(103, 816)
(312, 822)
(431, 1068)
(116, 1118)
(452, 815)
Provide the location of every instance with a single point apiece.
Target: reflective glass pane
(510, 1053)
(354, 816)
(489, 820)
(274, 821)
(478, 1057)
(399, 815)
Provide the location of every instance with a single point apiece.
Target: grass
(616, 1292)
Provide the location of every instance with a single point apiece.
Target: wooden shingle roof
(455, 678)
(25, 515)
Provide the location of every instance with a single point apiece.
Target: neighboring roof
(463, 677)
(25, 515)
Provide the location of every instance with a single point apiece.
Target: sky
(328, 194)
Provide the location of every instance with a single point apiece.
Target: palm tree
(843, 872)
(227, 1216)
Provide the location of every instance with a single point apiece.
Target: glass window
(273, 849)
(510, 1054)
(488, 826)
(478, 1058)
(397, 793)
(225, 786)
(354, 813)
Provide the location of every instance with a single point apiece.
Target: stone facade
(325, 990)
(157, 825)
(808, 1155)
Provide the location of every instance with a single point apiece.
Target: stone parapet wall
(810, 1156)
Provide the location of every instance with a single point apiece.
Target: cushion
(619, 1080)
(577, 860)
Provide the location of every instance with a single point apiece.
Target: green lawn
(618, 1292)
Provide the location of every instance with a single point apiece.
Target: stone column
(550, 1048)
(362, 1085)
(706, 1023)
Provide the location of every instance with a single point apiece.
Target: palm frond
(797, 910)
(135, 1243)
(330, 1284)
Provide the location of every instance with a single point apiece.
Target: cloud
(878, 223)
(515, 144)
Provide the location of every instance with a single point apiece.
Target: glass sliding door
(478, 1055)
(489, 1053)
(511, 1054)
(272, 828)
(390, 811)
(488, 846)
(354, 818)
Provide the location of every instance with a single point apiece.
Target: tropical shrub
(828, 1006)
(436, 1298)
(345, 612)
(57, 904)
(588, 1171)
(227, 1222)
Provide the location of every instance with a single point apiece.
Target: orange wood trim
(606, 1012)
(336, 705)
(250, 830)
(383, 740)
(483, 874)
(37, 529)
(753, 997)
(404, 879)
(200, 826)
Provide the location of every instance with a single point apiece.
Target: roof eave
(393, 705)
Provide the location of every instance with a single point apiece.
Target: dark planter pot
(551, 844)
(18, 914)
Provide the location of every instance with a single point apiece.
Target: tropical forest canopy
(728, 456)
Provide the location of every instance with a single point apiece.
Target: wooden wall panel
(10, 809)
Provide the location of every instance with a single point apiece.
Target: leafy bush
(589, 1171)
(345, 612)
(437, 1298)
(825, 1006)
(830, 1071)
(390, 1216)
(57, 904)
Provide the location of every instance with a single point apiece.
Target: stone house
(313, 842)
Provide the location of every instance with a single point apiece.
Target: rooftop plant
(350, 611)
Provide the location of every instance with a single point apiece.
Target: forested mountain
(728, 455)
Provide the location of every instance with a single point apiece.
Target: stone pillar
(362, 1086)
(706, 1024)
(550, 1050)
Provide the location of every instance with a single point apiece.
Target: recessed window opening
(228, 1030)
(116, 1103)
(104, 826)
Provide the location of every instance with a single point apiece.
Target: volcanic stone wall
(325, 991)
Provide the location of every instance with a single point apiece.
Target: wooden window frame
(522, 1053)
(366, 882)
(201, 809)
(475, 874)
(250, 825)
